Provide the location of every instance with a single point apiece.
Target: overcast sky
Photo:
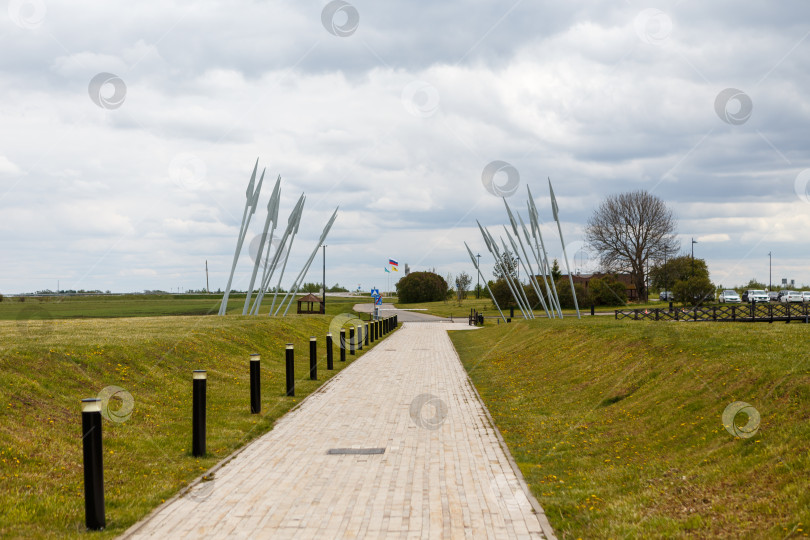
(391, 110)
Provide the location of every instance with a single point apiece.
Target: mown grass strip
(617, 426)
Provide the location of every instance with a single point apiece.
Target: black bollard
(670, 305)
(511, 311)
(351, 340)
(198, 413)
(290, 369)
(342, 344)
(371, 337)
(255, 384)
(329, 362)
(359, 337)
(365, 334)
(592, 310)
(93, 465)
(509, 319)
(313, 358)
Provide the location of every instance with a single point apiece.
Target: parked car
(805, 296)
(773, 296)
(782, 293)
(792, 296)
(753, 295)
(729, 296)
(666, 296)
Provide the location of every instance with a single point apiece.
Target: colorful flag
(392, 262)
(387, 270)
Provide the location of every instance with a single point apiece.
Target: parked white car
(729, 296)
(754, 296)
(792, 296)
(805, 296)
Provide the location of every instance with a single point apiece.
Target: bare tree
(629, 229)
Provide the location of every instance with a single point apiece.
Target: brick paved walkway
(444, 473)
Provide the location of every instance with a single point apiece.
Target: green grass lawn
(617, 425)
(47, 368)
(70, 307)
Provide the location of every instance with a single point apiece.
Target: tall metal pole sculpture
(541, 269)
(296, 223)
(554, 211)
(526, 262)
(301, 275)
(272, 215)
(472, 258)
(271, 267)
(518, 285)
(493, 249)
(527, 267)
(535, 220)
(250, 205)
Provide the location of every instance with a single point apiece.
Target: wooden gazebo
(310, 300)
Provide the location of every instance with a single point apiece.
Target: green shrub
(606, 291)
(421, 287)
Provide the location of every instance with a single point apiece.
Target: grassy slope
(46, 370)
(617, 425)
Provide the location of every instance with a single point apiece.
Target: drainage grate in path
(358, 451)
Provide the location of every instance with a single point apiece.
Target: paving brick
(444, 473)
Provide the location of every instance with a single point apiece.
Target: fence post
(255, 384)
(198, 413)
(93, 465)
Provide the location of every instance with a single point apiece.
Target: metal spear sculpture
(526, 262)
(554, 211)
(538, 259)
(518, 286)
(270, 269)
(537, 233)
(493, 249)
(303, 273)
(472, 258)
(299, 209)
(250, 206)
(272, 215)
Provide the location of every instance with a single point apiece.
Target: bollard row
(91, 408)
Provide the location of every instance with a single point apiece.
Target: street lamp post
(478, 288)
(693, 255)
(770, 277)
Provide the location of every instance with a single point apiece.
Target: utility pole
(207, 289)
(770, 278)
(478, 288)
